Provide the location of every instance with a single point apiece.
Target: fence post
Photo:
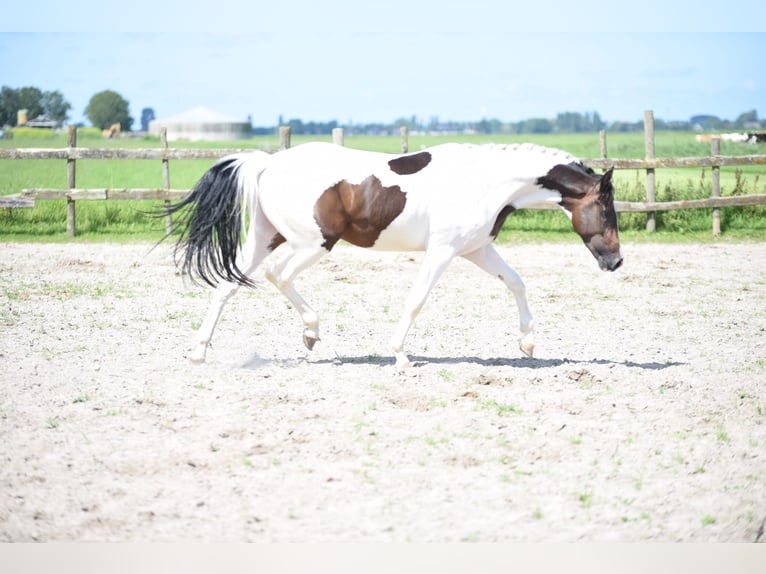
(166, 178)
(651, 224)
(602, 141)
(70, 181)
(284, 137)
(405, 141)
(337, 136)
(715, 150)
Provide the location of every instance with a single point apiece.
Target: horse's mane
(559, 154)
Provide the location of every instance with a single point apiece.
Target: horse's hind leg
(282, 276)
(253, 253)
(489, 259)
(434, 263)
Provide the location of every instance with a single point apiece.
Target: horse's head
(589, 199)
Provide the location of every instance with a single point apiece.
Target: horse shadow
(417, 361)
(518, 362)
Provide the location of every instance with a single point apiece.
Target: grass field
(119, 220)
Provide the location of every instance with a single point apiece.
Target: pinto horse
(449, 200)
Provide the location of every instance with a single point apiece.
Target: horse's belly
(405, 233)
(398, 243)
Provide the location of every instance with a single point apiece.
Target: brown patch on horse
(357, 213)
(409, 164)
(501, 217)
(276, 241)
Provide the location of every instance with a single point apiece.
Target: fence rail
(26, 198)
(102, 193)
(30, 195)
(72, 154)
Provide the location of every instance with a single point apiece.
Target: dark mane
(573, 179)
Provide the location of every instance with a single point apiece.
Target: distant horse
(449, 200)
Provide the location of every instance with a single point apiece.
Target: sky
(358, 62)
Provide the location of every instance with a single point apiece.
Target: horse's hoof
(528, 349)
(402, 362)
(197, 355)
(310, 341)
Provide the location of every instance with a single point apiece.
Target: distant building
(202, 124)
(42, 121)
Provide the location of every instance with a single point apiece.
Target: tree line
(565, 122)
(104, 109)
(107, 108)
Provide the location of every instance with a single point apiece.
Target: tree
(30, 99)
(147, 115)
(569, 122)
(491, 126)
(537, 126)
(12, 100)
(33, 100)
(574, 122)
(55, 106)
(706, 122)
(596, 122)
(8, 106)
(107, 108)
(748, 118)
(410, 123)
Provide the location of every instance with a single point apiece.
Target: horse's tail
(213, 217)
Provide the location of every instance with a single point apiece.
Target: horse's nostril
(617, 265)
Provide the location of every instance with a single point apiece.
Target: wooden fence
(27, 197)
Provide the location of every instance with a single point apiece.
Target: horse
(450, 200)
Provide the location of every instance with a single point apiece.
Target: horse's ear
(606, 180)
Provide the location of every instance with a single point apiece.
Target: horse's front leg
(434, 263)
(489, 259)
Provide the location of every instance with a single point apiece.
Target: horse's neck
(532, 194)
(524, 164)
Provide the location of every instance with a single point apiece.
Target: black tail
(210, 220)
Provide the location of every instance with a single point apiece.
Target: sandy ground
(641, 417)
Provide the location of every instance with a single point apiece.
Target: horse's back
(447, 193)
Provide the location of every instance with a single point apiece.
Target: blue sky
(367, 62)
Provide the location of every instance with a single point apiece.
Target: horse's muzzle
(610, 263)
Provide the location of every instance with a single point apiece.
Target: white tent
(202, 124)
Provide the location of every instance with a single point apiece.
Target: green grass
(126, 220)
